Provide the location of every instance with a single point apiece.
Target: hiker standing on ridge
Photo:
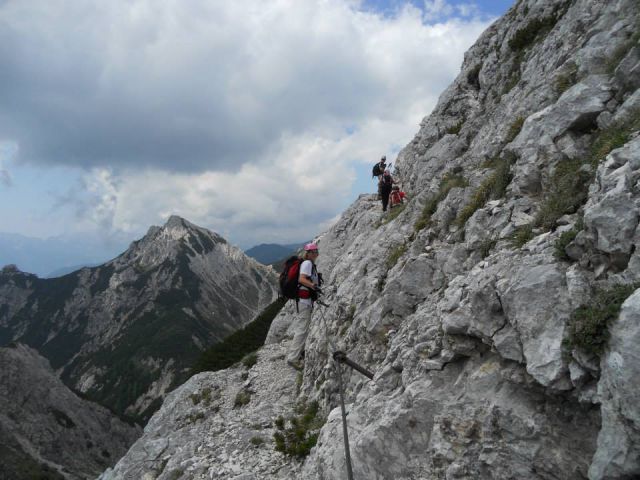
(308, 290)
(378, 170)
(386, 183)
(380, 167)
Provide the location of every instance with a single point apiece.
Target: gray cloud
(5, 178)
(188, 86)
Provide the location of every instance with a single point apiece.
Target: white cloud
(246, 117)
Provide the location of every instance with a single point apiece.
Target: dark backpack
(289, 278)
(387, 180)
(377, 171)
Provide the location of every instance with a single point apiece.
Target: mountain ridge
(123, 333)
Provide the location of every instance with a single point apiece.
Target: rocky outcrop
(48, 431)
(125, 333)
(480, 305)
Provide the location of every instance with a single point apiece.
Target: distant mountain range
(55, 256)
(268, 253)
(126, 332)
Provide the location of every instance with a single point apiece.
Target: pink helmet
(310, 246)
(387, 172)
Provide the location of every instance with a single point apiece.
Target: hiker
(396, 197)
(308, 290)
(380, 167)
(386, 182)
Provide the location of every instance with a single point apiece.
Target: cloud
(247, 117)
(5, 178)
(198, 86)
(7, 152)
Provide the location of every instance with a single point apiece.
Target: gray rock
(618, 453)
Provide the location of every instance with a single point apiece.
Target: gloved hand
(319, 291)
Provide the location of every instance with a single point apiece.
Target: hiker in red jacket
(396, 197)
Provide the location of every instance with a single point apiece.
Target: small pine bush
(299, 435)
(243, 397)
(250, 360)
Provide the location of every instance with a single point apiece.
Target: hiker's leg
(300, 329)
(385, 201)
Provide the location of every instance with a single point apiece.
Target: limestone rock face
(46, 429)
(126, 332)
(465, 311)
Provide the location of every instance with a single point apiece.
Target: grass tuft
(588, 327)
(449, 181)
(514, 129)
(522, 236)
(395, 255)
(455, 129)
(494, 186)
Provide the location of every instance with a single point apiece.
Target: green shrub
(567, 191)
(449, 181)
(175, 474)
(250, 360)
(522, 235)
(256, 441)
(536, 28)
(588, 327)
(243, 397)
(494, 186)
(299, 435)
(455, 129)
(240, 343)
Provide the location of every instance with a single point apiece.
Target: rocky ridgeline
(498, 309)
(46, 430)
(127, 332)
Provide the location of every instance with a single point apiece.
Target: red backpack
(289, 278)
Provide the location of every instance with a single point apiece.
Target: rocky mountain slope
(126, 332)
(46, 430)
(498, 309)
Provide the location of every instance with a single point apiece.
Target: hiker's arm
(305, 280)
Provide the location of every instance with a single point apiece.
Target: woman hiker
(308, 293)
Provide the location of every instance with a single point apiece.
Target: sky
(258, 120)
